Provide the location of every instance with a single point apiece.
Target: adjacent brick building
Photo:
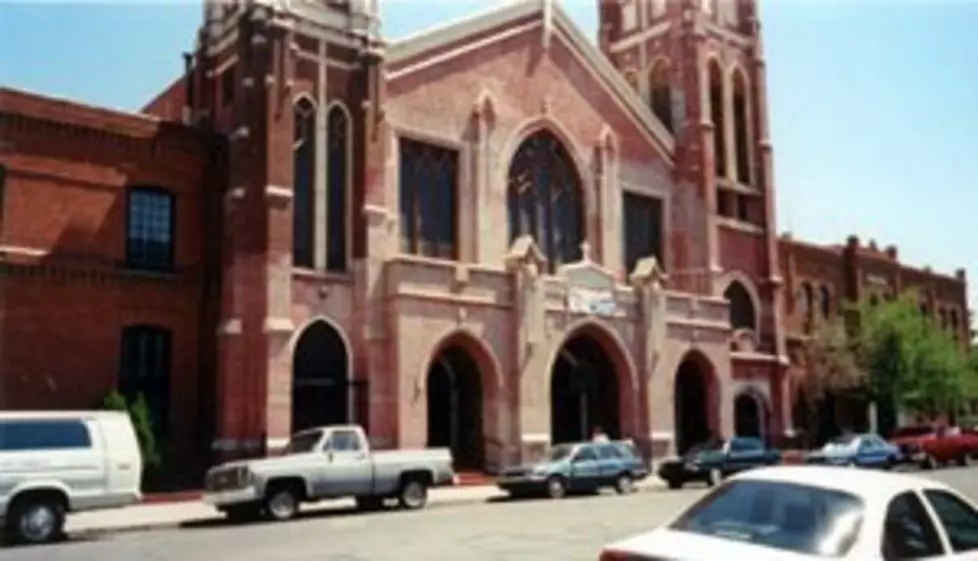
(491, 236)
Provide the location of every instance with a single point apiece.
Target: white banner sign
(589, 301)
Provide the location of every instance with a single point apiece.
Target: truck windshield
(303, 442)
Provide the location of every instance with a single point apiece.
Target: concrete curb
(479, 495)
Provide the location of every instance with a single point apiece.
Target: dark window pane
(642, 228)
(149, 239)
(20, 436)
(544, 198)
(145, 371)
(908, 532)
(428, 193)
(336, 215)
(959, 519)
(303, 180)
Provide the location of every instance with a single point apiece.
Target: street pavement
(569, 530)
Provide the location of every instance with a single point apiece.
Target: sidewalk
(145, 517)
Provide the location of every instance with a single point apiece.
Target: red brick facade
(241, 315)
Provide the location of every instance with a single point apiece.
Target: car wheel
(624, 484)
(715, 477)
(964, 460)
(36, 520)
(556, 488)
(674, 483)
(413, 494)
(281, 503)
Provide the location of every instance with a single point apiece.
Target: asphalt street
(569, 530)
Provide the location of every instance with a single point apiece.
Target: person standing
(598, 435)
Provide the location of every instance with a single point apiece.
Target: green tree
(912, 363)
(142, 423)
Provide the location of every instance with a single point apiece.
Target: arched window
(660, 93)
(338, 180)
(303, 181)
(742, 312)
(544, 198)
(717, 116)
(806, 298)
(825, 301)
(741, 134)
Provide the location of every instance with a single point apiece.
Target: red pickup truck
(932, 445)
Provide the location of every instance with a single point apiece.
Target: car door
(609, 463)
(744, 453)
(349, 471)
(585, 469)
(872, 452)
(909, 531)
(958, 519)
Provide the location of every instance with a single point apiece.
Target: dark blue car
(711, 462)
(582, 467)
(857, 450)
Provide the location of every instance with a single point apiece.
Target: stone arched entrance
(694, 401)
(455, 406)
(320, 377)
(589, 388)
(750, 415)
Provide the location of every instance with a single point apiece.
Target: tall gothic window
(544, 199)
(428, 191)
(741, 134)
(145, 368)
(661, 96)
(304, 177)
(642, 228)
(338, 162)
(742, 312)
(716, 114)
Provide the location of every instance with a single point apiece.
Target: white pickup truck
(326, 463)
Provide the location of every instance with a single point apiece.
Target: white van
(52, 463)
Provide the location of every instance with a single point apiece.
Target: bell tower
(700, 67)
(294, 86)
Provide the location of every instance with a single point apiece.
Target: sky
(873, 103)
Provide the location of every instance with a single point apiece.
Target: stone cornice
(95, 275)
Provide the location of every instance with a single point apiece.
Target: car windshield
(303, 442)
(711, 446)
(787, 516)
(560, 452)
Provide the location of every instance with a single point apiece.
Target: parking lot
(571, 529)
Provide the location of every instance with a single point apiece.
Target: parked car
(788, 513)
(326, 463)
(857, 450)
(711, 463)
(53, 463)
(930, 446)
(585, 466)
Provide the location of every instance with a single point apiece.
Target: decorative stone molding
(525, 261)
(230, 326)
(647, 280)
(278, 325)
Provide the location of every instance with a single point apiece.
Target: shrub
(142, 422)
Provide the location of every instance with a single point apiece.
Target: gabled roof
(557, 23)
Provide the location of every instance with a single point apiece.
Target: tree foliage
(142, 422)
(831, 363)
(910, 360)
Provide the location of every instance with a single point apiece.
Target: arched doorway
(749, 415)
(692, 401)
(455, 410)
(584, 392)
(320, 378)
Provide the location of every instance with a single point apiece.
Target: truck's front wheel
(281, 503)
(413, 494)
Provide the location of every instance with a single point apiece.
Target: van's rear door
(124, 464)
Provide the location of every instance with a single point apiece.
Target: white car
(53, 463)
(814, 512)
